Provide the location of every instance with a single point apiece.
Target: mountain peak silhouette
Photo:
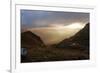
(29, 39)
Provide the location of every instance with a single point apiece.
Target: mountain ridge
(80, 38)
(30, 39)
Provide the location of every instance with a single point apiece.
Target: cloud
(55, 34)
(37, 18)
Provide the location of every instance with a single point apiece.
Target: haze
(51, 26)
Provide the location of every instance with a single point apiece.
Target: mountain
(80, 39)
(74, 48)
(29, 39)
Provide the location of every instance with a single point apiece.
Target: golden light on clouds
(56, 25)
(56, 33)
(75, 26)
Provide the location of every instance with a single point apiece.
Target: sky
(40, 18)
(51, 26)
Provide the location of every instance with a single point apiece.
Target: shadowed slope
(29, 39)
(79, 39)
(82, 37)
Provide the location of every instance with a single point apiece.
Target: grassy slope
(55, 54)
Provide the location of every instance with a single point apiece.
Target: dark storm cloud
(37, 18)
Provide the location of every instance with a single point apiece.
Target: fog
(55, 34)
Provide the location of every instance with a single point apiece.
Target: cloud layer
(37, 18)
(55, 26)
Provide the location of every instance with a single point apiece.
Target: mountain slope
(29, 39)
(80, 39)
